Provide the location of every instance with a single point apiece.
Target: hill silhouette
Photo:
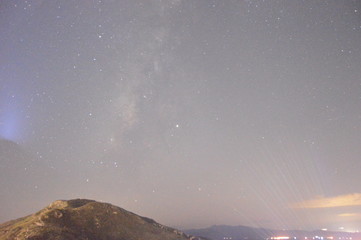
(83, 219)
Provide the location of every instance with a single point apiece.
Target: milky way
(193, 113)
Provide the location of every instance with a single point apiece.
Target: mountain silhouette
(83, 219)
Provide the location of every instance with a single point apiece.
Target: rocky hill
(83, 219)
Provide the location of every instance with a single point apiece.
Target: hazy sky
(193, 113)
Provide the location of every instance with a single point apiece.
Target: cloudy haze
(193, 113)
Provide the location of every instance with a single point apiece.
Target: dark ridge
(76, 203)
(149, 220)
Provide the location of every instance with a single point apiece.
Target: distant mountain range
(219, 232)
(82, 219)
(224, 232)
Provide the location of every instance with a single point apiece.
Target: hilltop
(83, 219)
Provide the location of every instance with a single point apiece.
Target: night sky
(193, 113)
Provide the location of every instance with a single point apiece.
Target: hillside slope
(83, 219)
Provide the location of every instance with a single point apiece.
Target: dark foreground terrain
(83, 219)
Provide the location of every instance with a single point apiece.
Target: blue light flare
(11, 117)
(10, 125)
